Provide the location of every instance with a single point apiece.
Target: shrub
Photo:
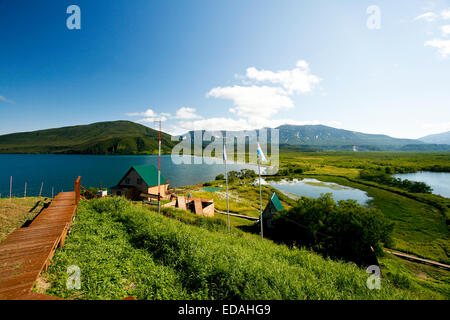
(384, 178)
(343, 230)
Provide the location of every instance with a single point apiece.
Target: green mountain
(332, 138)
(115, 137)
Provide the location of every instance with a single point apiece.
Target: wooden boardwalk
(28, 251)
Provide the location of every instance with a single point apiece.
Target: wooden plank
(198, 206)
(181, 202)
(35, 296)
(16, 290)
(27, 251)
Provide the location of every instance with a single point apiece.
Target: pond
(59, 171)
(439, 181)
(313, 188)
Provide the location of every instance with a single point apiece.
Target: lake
(59, 171)
(439, 181)
(313, 188)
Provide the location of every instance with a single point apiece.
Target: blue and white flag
(261, 154)
(224, 154)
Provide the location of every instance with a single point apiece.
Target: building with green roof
(271, 209)
(141, 182)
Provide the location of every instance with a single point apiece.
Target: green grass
(429, 281)
(15, 213)
(123, 249)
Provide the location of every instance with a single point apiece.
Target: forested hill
(115, 137)
(320, 135)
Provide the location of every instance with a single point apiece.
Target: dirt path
(417, 259)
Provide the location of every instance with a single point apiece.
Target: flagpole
(260, 199)
(226, 182)
(159, 169)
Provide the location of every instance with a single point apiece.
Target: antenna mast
(159, 169)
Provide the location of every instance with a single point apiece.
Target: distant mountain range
(116, 137)
(328, 137)
(440, 138)
(126, 137)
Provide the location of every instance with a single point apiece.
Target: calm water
(313, 188)
(59, 171)
(439, 181)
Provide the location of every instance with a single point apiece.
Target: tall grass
(185, 261)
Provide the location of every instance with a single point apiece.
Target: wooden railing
(77, 189)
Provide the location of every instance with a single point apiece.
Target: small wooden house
(199, 206)
(141, 182)
(271, 209)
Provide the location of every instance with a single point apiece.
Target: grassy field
(421, 220)
(123, 249)
(15, 213)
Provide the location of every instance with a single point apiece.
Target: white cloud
(445, 30)
(254, 106)
(429, 17)
(146, 113)
(297, 80)
(2, 98)
(216, 123)
(442, 45)
(186, 113)
(446, 14)
(254, 101)
(152, 119)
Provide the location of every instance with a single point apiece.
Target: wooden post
(40, 191)
(77, 190)
(10, 188)
(25, 192)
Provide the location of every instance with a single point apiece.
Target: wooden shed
(141, 182)
(271, 209)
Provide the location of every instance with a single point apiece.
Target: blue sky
(227, 64)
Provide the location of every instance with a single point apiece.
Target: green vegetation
(343, 230)
(234, 175)
(332, 138)
(117, 137)
(123, 249)
(386, 179)
(416, 277)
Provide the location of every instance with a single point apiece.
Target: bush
(384, 178)
(343, 230)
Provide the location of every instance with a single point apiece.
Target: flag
(224, 153)
(261, 154)
(226, 179)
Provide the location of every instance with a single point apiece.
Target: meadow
(123, 249)
(17, 212)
